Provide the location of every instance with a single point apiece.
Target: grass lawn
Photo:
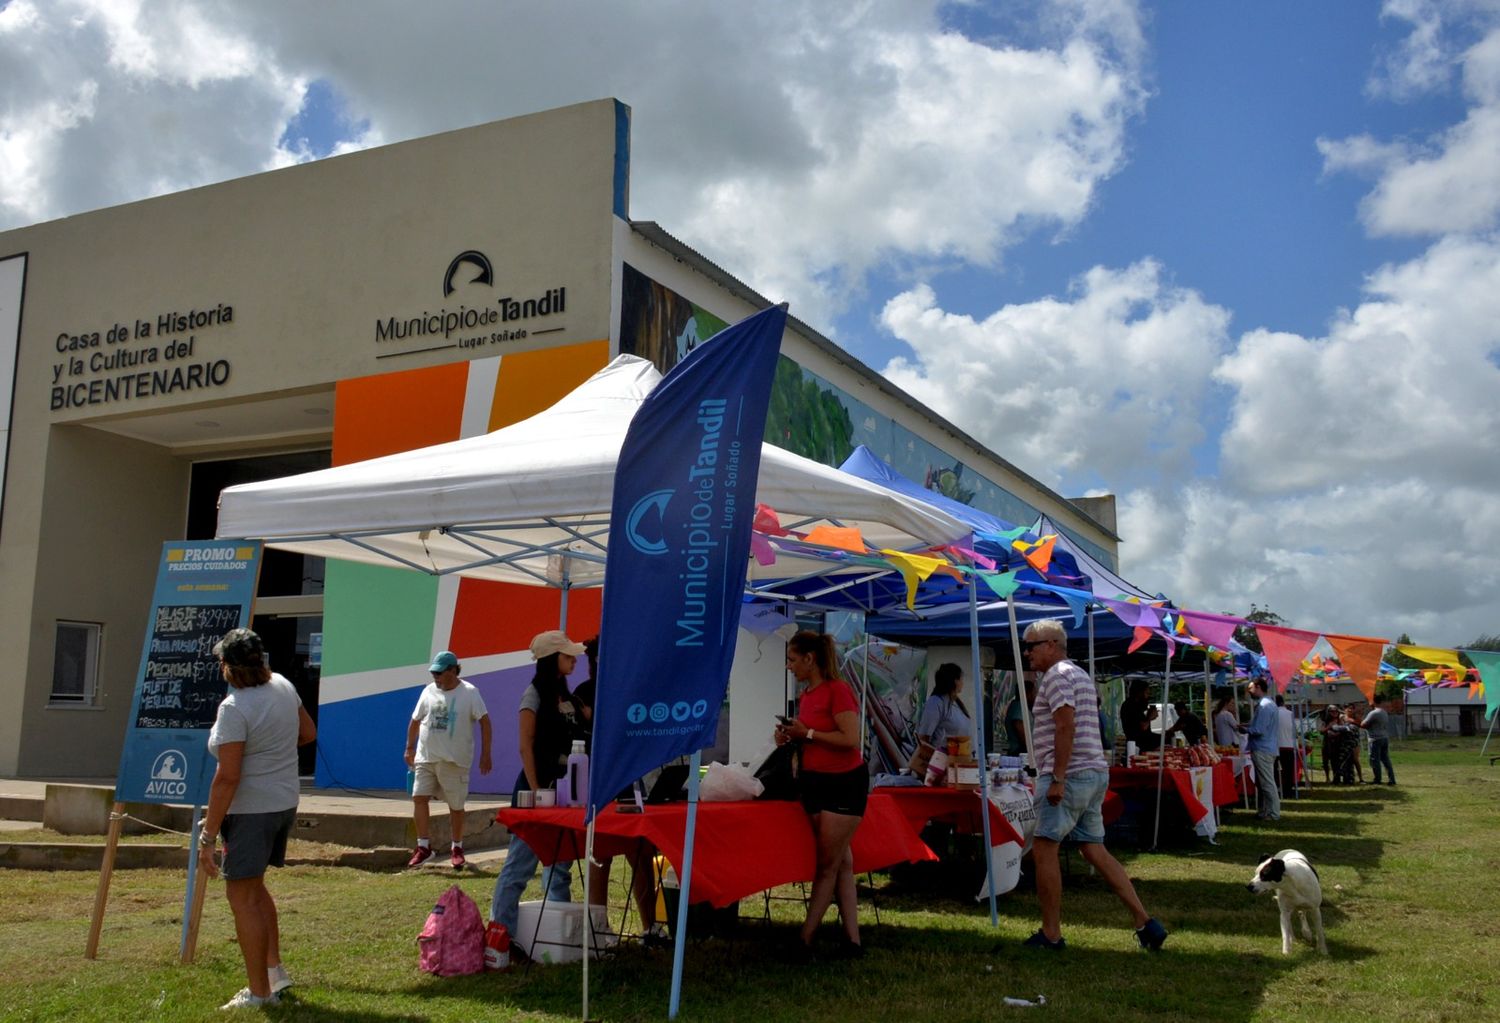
(1411, 880)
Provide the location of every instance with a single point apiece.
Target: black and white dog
(1295, 884)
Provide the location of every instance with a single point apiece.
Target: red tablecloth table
(1179, 781)
(741, 848)
(959, 807)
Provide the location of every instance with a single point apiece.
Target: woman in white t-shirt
(253, 803)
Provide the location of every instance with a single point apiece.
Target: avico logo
(656, 501)
(168, 774)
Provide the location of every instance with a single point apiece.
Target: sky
(1237, 264)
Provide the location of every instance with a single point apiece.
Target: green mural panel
(376, 617)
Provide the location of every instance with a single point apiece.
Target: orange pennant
(845, 538)
(1039, 554)
(1360, 656)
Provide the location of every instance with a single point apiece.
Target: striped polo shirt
(1065, 684)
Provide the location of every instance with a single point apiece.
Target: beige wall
(108, 502)
(310, 258)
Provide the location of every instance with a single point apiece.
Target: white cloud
(817, 143)
(1109, 383)
(1447, 183)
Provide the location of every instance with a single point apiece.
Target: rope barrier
(158, 827)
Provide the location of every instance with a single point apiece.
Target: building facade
(336, 311)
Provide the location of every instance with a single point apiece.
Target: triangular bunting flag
(1284, 649)
(914, 568)
(844, 538)
(1215, 630)
(1360, 656)
(1487, 662)
(1433, 655)
(1003, 583)
(1038, 555)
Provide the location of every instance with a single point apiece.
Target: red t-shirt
(816, 711)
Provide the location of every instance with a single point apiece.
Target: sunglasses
(1027, 644)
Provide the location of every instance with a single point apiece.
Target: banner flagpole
(685, 885)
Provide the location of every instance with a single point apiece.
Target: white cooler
(554, 934)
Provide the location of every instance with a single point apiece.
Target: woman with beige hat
(549, 719)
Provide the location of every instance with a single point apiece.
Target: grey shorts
(253, 842)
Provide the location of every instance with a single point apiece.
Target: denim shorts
(1078, 817)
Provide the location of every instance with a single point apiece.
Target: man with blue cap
(440, 750)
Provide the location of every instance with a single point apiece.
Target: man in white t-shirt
(440, 751)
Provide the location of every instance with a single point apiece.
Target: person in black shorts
(834, 780)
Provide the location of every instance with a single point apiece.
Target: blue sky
(1236, 264)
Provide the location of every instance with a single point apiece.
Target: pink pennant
(1215, 630)
(1285, 648)
(761, 548)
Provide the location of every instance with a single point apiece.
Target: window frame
(88, 697)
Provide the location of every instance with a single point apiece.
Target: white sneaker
(280, 979)
(245, 1000)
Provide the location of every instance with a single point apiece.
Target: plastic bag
(728, 783)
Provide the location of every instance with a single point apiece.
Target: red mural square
(494, 617)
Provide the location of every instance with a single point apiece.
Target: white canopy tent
(530, 503)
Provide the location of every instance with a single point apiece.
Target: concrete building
(331, 312)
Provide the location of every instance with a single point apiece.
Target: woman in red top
(834, 781)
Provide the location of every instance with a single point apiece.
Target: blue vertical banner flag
(679, 541)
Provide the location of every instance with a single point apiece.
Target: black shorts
(255, 841)
(842, 792)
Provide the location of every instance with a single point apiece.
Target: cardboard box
(554, 933)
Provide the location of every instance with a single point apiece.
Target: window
(75, 663)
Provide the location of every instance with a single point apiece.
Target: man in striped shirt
(1072, 778)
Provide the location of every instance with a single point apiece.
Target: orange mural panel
(493, 617)
(532, 381)
(391, 412)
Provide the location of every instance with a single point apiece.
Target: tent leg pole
(978, 726)
(1015, 649)
(1161, 763)
(685, 885)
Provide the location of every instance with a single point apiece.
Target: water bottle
(411, 780)
(577, 775)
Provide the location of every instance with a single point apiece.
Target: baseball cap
(554, 642)
(241, 648)
(443, 661)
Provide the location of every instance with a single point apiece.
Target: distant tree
(1246, 636)
(1397, 659)
(1485, 642)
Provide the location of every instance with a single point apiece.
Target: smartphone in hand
(783, 719)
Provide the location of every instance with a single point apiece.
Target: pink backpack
(452, 942)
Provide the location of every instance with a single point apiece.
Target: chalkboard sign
(203, 590)
(182, 686)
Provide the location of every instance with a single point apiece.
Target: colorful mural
(382, 625)
(811, 416)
